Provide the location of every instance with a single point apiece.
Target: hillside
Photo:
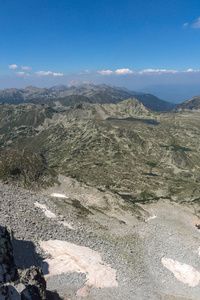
(154, 103)
(122, 147)
(189, 105)
(121, 198)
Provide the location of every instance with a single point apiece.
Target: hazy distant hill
(16, 96)
(155, 103)
(189, 105)
(63, 96)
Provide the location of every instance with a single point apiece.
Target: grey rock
(28, 284)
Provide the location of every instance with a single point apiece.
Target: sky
(151, 46)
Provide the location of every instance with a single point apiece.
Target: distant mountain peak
(89, 82)
(73, 83)
(31, 88)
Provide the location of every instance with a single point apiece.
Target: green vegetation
(152, 164)
(82, 211)
(145, 195)
(25, 168)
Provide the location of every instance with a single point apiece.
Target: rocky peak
(17, 284)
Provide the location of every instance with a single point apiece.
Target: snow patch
(67, 258)
(66, 224)
(82, 292)
(150, 218)
(59, 195)
(48, 213)
(51, 215)
(183, 272)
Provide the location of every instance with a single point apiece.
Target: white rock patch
(69, 258)
(184, 273)
(151, 218)
(66, 224)
(82, 292)
(58, 195)
(48, 213)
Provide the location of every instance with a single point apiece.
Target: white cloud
(185, 24)
(20, 73)
(87, 71)
(123, 71)
(158, 71)
(13, 67)
(144, 72)
(117, 72)
(105, 72)
(26, 68)
(48, 73)
(191, 70)
(162, 71)
(196, 24)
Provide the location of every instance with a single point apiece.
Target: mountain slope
(124, 221)
(154, 103)
(189, 105)
(122, 147)
(26, 169)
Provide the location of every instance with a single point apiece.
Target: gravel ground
(135, 249)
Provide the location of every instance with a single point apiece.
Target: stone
(28, 284)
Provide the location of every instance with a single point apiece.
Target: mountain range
(63, 96)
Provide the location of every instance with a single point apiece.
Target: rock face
(28, 284)
(8, 272)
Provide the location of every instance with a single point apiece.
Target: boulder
(28, 284)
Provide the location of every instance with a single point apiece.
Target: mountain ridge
(66, 95)
(192, 104)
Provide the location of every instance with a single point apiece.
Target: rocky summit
(102, 199)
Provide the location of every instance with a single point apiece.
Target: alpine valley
(101, 184)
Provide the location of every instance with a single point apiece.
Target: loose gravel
(134, 249)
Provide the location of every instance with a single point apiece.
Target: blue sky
(136, 44)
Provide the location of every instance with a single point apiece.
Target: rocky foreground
(18, 284)
(90, 247)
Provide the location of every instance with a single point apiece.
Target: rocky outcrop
(8, 271)
(180, 159)
(28, 284)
